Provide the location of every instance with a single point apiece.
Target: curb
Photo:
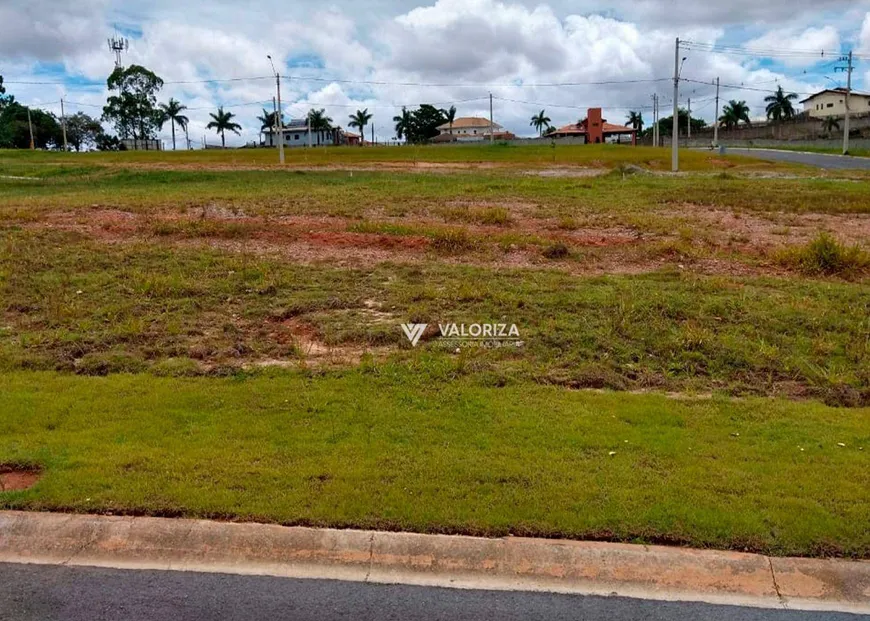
(511, 563)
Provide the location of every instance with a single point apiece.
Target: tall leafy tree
(403, 123)
(83, 131)
(222, 122)
(540, 122)
(733, 112)
(172, 112)
(635, 120)
(360, 119)
(319, 122)
(132, 109)
(666, 124)
(15, 128)
(424, 123)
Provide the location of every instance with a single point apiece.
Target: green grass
(417, 448)
(525, 156)
(73, 304)
(641, 201)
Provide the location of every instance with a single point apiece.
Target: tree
(223, 122)
(424, 123)
(450, 116)
(172, 112)
(319, 122)
(666, 124)
(830, 125)
(540, 122)
(635, 120)
(403, 123)
(360, 119)
(83, 131)
(15, 128)
(733, 112)
(132, 109)
(779, 106)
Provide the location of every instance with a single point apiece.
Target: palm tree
(360, 119)
(450, 116)
(635, 119)
(319, 122)
(223, 121)
(540, 121)
(830, 124)
(733, 112)
(779, 105)
(172, 112)
(267, 120)
(403, 124)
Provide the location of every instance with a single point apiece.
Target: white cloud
(804, 46)
(467, 48)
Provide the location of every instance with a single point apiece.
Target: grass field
(230, 330)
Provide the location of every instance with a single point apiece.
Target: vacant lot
(694, 366)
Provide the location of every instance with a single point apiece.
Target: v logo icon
(414, 331)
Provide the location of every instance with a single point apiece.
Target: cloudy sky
(562, 56)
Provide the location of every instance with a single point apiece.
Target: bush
(103, 363)
(825, 255)
(452, 241)
(556, 251)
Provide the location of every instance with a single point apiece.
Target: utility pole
(63, 124)
(308, 129)
(373, 134)
(279, 121)
(491, 124)
(689, 124)
(716, 118)
(655, 125)
(30, 125)
(848, 70)
(675, 139)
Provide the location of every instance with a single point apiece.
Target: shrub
(452, 241)
(556, 251)
(825, 255)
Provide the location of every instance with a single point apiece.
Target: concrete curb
(512, 563)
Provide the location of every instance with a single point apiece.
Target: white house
(296, 135)
(832, 102)
(468, 129)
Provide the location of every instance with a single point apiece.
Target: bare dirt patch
(774, 229)
(312, 349)
(14, 478)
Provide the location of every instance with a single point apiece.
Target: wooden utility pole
(30, 125)
(63, 124)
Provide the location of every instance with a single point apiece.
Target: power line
(366, 82)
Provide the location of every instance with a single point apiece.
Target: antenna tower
(118, 45)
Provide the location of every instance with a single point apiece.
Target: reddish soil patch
(367, 240)
(14, 479)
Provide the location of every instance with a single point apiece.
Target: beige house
(832, 102)
(468, 128)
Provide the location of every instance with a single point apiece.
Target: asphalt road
(820, 160)
(48, 593)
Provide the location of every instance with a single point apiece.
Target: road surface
(49, 593)
(820, 160)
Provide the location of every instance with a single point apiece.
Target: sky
(562, 56)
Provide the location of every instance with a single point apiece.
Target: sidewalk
(512, 563)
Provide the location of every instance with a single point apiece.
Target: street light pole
(675, 128)
(279, 122)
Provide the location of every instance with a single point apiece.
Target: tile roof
(469, 121)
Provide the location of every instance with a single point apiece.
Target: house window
(475, 131)
(830, 105)
(295, 136)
